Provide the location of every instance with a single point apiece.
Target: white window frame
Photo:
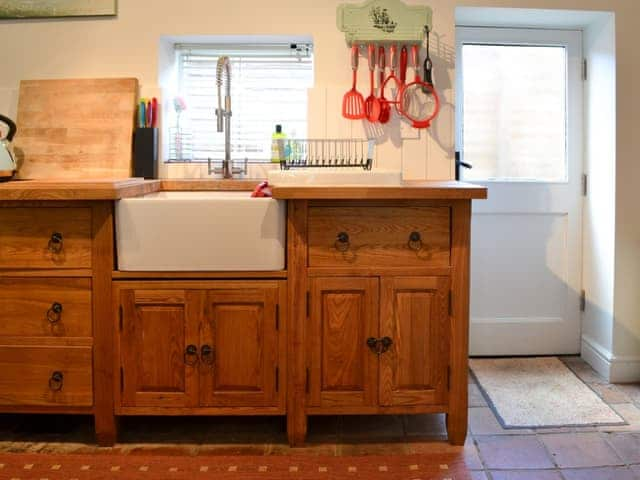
(571, 40)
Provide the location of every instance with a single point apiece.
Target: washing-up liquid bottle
(277, 145)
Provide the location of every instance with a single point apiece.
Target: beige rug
(539, 392)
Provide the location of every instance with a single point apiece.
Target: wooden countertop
(52, 189)
(105, 189)
(408, 190)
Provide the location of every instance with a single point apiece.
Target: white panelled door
(519, 124)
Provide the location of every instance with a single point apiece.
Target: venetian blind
(268, 86)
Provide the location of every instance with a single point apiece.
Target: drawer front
(45, 307)
(34, 237)
(379, 236)
(45, 376)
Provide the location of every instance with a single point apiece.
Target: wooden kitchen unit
(370, 315)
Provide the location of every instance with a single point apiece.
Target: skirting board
(615, 369)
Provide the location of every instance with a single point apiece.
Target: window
(269, 85)
(513, 106)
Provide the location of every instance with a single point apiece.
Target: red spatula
(372, 104)
(353, 102)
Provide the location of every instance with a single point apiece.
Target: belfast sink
(331, 176)
(200, 231)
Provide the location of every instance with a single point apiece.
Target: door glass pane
(514, 120)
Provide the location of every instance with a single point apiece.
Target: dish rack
(338, 152)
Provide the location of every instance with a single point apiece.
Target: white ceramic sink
(200, 231)
(334, 177)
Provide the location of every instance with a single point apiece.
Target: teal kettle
(8, 164)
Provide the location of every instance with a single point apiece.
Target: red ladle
(385, 108)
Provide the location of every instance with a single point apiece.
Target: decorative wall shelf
(383, 21)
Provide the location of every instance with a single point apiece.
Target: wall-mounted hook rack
(384, 21)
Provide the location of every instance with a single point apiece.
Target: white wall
(129, 46)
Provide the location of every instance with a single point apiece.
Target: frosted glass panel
(514, 120)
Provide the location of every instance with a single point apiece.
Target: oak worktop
(106, 189)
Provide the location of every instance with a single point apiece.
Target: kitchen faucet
(223, 116)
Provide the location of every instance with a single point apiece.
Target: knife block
(145, 153)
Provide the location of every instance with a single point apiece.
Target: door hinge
(585, 69)
(583, 301)
(277, 317)
(585, 184)
(308, 303)
(448, 378)
(277, 379)
(450, 303)
(121, 317)
(306, 382)
(121, 379)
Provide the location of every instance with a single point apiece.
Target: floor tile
(312, 449)
(526, 475)
(586, 373)
(610, 393)
(605, 473)
(632, 390)
(427, 426)
(482, 421)
(469, 451)
(358, 428)
(478, 475)
(513, 452)
(626, 445)
(476, 399)
(357, 449)
(580, 450)
(636, 470)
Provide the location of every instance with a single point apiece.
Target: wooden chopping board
(76, 128)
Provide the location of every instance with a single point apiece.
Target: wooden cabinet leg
(457, 427)
(297, 427)
(106, 426)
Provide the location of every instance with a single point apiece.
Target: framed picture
(56, 8)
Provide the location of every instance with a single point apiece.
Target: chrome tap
(224, 114)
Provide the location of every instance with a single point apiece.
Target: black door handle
(460, 163)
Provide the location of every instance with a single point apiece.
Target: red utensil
(385, 108)
(403, 65)
(353, 102)
(393, 60)
(154, 110)
(430, 104)
(372, 104)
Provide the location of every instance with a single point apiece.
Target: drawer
(52, 237)
(45, 376)
(379, 236)
(45, 307)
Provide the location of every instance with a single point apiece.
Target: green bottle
(277, 145)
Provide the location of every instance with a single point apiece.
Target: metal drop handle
(56, 381)
(56, 242)
(54, 313)
(191, 355)
(342, 242)
(207, 354)
(415, 241)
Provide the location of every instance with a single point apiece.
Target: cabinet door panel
(240, 327)
(414, 314)
(157, 327)
(344, 313)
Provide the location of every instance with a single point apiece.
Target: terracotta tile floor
(491, 453)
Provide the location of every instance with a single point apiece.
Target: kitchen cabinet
(200, 346)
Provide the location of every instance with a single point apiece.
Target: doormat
(539, 392)
(269, 467)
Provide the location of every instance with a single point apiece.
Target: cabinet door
(344, 314)
(239, 346)
(157, 328)
(414, 314)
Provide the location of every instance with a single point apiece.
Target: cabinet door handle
(207, 354)
(56, 242)
(342, 242)
(415, 241)
(54, 313)
(56, 381)
(386, 343)
(372, 343)
(379, 345)
(191, 355)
